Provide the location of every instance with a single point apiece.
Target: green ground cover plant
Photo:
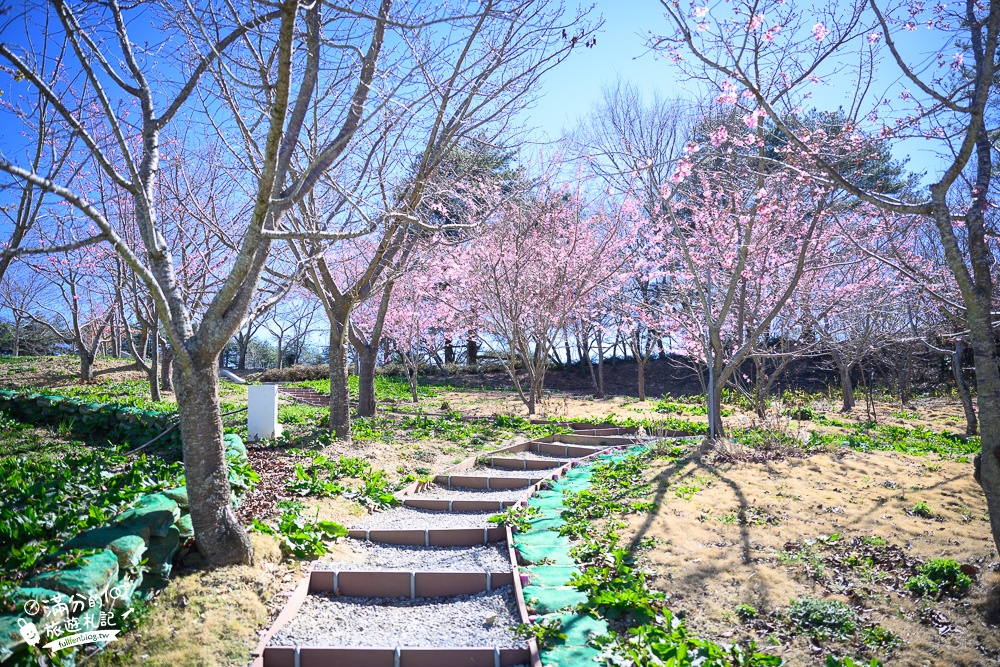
(48, 500)
(939, 576)
(327, 477)
(887, 437)
(822, 619)
(518, 517)
(299, 536)
(389, 388)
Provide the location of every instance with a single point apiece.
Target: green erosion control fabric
(550, 569)
(548, 592)
(90, 579)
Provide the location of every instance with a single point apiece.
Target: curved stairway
(449, 512)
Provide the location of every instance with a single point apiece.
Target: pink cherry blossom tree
(531, 271)
(774, 66)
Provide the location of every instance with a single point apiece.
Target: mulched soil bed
(275, 468)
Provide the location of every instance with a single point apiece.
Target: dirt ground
(730, 534)
(725, 534)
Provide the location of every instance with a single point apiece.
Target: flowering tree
(768, 55)
(531, 271)
(85, 305)
(734, 255)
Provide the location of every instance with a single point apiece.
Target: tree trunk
(411, 375)
(166, 372)
(366, 383)
(471, 352)
(600, 370)
(340, 406)
(86, 364)
(219, 536)
(846, 387)
(116, 342)
(720, 432)
(153, 370)
(988, 398)
(241, 362)
(904, 376)
(718, 380)
(971, 421)
(641, 364)
(569, 353)
(17, 337)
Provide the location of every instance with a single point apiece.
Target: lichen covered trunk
(846, 389)
(219, 536)
(340, 405)
(971, 421)
(366, 383)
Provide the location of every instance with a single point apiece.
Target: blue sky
(572, 89)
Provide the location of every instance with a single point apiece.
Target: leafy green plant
(686, 492)
(887, 437)
(616, 587)
(746, 612)
(880, 638)
(546, 631)
(937, 576)
(323, 477)
(48, 500)
(300, 537)
(822, 619)
(668, 642)
(922, 509)
(847, 661)
(518, 517)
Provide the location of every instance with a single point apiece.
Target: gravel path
(483, 471)
(376, 556)
(533, 455)
(483, 619)
(437, 491)
(410, 518)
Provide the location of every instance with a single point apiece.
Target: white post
(262, 412)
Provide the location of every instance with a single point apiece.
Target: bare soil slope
(729, 534)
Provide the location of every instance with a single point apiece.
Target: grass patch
(887, 437)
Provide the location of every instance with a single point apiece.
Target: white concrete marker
(262, 412)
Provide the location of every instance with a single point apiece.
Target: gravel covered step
(358, 555)
(442, 498)
(409, 518)
(483, 619)
(492, 478)
(524, 461)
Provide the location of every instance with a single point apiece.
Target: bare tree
(21, 290)
(119, 71)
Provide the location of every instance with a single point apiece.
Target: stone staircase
(436, 600)
(305, 395)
